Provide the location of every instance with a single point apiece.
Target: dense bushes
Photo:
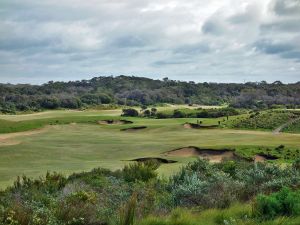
(206, 185)
(202, 113)
(140, 171)
(124, 196)
(134, 91)
(283, 203)
(183, 113)
(130, 112)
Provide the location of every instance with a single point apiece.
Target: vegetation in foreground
(231, 192)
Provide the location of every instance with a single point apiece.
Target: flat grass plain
(75, 142)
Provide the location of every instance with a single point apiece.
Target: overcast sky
(200, 40)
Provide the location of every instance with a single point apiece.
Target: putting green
(77, 147)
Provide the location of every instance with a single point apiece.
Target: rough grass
(268, 120)
(293, 128)
(238, 214)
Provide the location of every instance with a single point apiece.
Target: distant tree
(130, 112)
(143, 107)
(178, 114)
(90, 99)
(147, 113)
(49, 103)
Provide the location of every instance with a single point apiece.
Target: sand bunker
(103, 122)
(160, 160)
(261, 157)
(213, 155)
(134, 128)
(198, 126)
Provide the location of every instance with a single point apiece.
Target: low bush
(78, 208)
(283, 203)
(130, 112)
(105, 197)
(140, 171)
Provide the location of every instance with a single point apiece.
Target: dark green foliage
(196, 113)
(296, 164)
(130, 112)
(134, 91)
(178, 114)
(282, 203)
(77, 208)
(147, 113)
(140, 171)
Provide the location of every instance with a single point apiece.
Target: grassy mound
(268, 120)
(293, 127)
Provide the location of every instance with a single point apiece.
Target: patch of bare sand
(214, 156)
(259, 158)
(8, 139)
(187, 125)
(263, 157)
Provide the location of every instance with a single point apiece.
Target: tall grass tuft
(128, 211)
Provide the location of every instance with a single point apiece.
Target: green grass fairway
(75, 147)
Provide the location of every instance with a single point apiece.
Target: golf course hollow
(213, 155)
(134, 128)
(261, 157)
(104, 122)
(160, 160)
(198, 126)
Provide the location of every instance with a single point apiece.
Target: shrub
(128, 211)
(130, 112)
(140, 171)
(178, 114)
(296, 164)
(282, 203)
(78, 208)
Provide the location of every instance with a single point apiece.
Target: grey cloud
(193, 49)
(272, 48)
(213, 26)
(287, 7)
(250, 14)
(129, 41)
(285, 50)
(292, 55)
(171, 62)
(286, 25)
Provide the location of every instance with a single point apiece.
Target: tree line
(134, 91)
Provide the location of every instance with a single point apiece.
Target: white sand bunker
(213, 155)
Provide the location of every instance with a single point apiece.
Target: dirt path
(279, 129)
